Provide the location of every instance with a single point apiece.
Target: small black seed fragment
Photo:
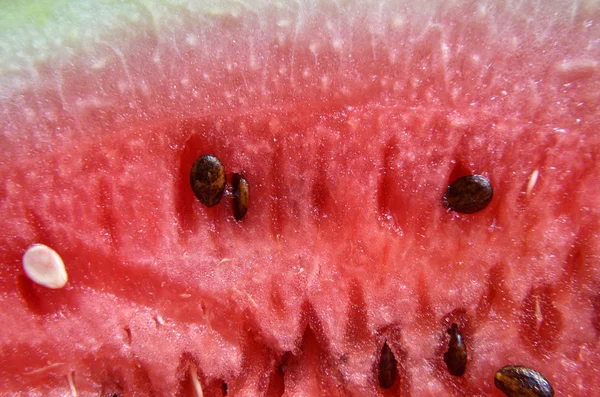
(208, 179)
(111, 389)
(456, 356)
(518, 381)
(468, 194)
(224, 387)
(241, 195)
(388, 367)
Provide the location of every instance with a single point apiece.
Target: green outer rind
(40, 32)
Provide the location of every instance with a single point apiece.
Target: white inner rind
(44, 266)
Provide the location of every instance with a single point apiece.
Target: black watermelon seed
(241, 196)
(208, 179)
(456, 356)
(468, 194)
(518, 381)
(388, 367)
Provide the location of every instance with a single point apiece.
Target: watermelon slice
(348, 120)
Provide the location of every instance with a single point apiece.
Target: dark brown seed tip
(241, 196)
(208, 179)
(468, 194)
(518, 381)
(388, 367)
(456, 356)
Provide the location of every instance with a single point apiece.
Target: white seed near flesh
(532, 181)
(195, 381)
(44, 266)
(70, 380)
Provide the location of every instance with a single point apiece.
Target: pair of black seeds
(514, 381)
(207, 178)
(455, 358)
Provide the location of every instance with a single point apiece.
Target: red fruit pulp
(348, 121)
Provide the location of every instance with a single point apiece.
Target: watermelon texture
(348, 119)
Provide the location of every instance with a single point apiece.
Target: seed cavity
(44, 266)
(468, 194)
(241, 196)
(518, 381)
(388, 367)
(207, 178)
(456, 356)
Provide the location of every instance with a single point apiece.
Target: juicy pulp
(348, 121)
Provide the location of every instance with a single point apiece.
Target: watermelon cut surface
(348, 120)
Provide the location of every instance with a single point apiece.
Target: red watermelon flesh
(348, 120)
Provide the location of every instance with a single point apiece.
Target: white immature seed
(44, 266)
(532, 181)
(195, 381)
(71, 383)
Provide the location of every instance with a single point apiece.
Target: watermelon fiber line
(407, 201)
